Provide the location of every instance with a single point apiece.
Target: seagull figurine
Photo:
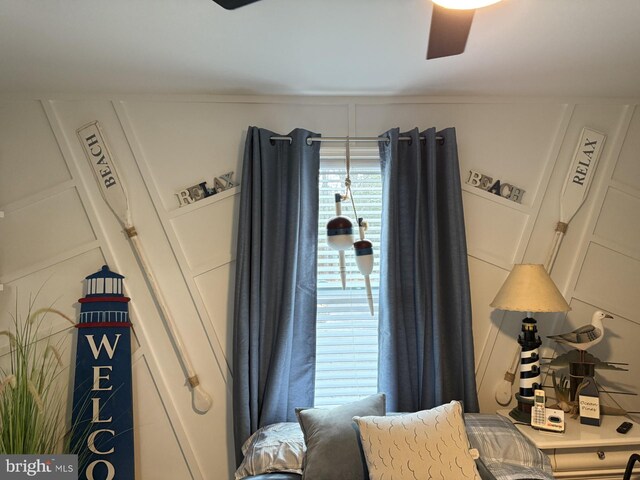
(586, 336)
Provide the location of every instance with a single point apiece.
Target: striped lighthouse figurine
(102, 400)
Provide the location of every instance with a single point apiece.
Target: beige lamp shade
(465, 4)
(529, 288)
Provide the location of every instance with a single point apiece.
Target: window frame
(349, 375)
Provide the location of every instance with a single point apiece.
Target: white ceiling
(326, 47)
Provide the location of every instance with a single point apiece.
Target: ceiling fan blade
(233, 4)
(449, 31)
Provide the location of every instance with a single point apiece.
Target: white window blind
(347, 334)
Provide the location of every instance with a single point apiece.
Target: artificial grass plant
(33, 404)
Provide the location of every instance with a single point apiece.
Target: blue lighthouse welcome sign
(102, 401)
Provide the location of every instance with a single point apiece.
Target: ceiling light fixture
(464, 4)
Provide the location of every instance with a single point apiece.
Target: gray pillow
(332, 442)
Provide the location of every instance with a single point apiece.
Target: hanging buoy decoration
(339, 233)
(364, 259)
(340, 236)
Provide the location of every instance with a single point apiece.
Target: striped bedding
(506, 453)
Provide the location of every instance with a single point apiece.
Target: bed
(277, 452)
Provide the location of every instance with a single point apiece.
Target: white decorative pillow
(274, 448)
(428, 444)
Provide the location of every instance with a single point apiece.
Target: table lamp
(529, 288)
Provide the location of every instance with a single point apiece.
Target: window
(347, 334)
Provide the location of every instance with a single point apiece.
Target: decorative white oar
(576, 186)
(114, 194)
(574, 193)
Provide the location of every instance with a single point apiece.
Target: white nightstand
(584, 451)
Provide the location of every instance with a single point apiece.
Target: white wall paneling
(154, 432)
(510, 141)
(65, 117)
(619, 221)
(35, 187)
(217, 289)
(206, 138)
(164, 144)
(486, 280)
(610, 279)
(29, 151)
(605, 272)
(37, 232)
(199, 229)
(214, 132)
(494, 232)
(612, 120)
(627, 171)
(58, 285)
(609, 118)
(515, 142)
(1, 217)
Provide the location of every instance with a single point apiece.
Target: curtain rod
(310, 140)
